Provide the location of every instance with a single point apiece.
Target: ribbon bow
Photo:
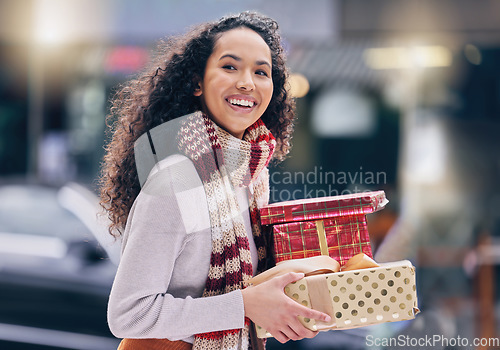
(315, 265)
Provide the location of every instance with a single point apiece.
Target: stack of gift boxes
(357, 294)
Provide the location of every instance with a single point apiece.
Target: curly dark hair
(165, 91)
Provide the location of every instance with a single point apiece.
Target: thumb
(289, 278)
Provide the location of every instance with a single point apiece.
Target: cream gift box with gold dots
(357, 298)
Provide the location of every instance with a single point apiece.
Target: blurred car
(55, 275)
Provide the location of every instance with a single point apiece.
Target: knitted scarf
(223, 163)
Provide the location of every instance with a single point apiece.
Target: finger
(304, 311)
(300, 330)
(280, 336)
(290, 333)
(289, 278)
(312, 334)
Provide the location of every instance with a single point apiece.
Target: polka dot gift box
(353, 298)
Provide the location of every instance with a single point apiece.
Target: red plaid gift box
(334, 226)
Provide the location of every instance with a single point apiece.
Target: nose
(245, 82)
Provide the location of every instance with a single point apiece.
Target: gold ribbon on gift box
(323, 245)
(315, 265)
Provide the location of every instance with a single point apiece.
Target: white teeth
(245, 103)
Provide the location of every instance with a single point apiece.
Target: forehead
(244, 40)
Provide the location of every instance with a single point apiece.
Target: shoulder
(175, 183)
(177, 170)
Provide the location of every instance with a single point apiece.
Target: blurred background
(402, 96)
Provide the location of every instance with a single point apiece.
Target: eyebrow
(236, 58)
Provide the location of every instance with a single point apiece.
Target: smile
(243, 103)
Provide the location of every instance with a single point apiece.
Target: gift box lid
(323, 207)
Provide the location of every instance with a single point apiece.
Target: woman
(205, 116)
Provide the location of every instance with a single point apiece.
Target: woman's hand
(268, 306)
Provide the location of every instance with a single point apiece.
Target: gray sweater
(166, 251)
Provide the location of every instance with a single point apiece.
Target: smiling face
(237, 85)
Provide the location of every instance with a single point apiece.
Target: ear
(197, 91)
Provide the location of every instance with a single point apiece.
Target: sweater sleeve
(164, 265)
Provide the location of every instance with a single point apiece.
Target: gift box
(357, 298)
(334, 226)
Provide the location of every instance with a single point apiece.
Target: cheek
(267, 92)
(217, 86)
